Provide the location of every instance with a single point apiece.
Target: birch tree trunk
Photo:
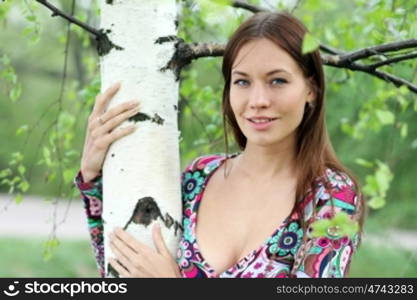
(141, 173)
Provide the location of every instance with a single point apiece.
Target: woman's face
(268, 93)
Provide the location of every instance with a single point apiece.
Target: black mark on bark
(146, 211)
(182, 56)
(165, 39)
(112, 271)
(141, 117)
(104, 45)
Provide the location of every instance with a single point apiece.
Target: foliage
(338, 226)
(371, 122)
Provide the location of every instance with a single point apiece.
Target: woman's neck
(259, 163)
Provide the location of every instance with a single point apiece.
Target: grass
(23, 258)
(373, 261)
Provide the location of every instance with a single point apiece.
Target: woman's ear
(312, 91)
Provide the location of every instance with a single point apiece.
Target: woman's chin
(262, 141)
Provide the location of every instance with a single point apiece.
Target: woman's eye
(242, 82)
(279, 80)
(237, 82)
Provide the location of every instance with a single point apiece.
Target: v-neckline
(194, 225)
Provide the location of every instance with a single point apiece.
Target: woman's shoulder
(341, 186)
(335, 189)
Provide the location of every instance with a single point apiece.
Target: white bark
(145, 163)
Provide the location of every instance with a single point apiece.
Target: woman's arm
(330, 254)
(91, 194)
(102, 131)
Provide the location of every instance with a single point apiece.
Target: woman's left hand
(135, 259)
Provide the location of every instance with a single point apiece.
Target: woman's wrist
(88, 176)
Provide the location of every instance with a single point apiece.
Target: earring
(310, 105)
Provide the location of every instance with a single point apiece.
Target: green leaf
(364, 163)
(320, 227)
(24, 186)
(68, 175)
(18, 199)
(49, 247)
(222, 2)
(310, 43)
(22, 129)
(383, 177)
(15, 92)
(403, 102)
(5, 181)
(5, 173)
(31, 18)
(47, 156)
(376, 202)
(21, 170)
(385, 117)
(404, 130)
(336, 227)
(5, 59)
(403, 90)
(17, 156)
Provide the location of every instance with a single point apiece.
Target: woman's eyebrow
(267, 74)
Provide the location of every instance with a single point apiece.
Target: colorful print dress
(281, 255)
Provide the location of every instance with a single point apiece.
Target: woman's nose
(259, 98)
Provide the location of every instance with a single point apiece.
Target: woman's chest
(235, 220)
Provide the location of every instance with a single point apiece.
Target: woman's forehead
(263, 56)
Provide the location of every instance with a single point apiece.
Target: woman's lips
(261, 125)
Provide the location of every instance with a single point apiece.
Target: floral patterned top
(281, 255)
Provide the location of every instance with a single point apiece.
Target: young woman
(256, 209)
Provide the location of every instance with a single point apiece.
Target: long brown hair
(314, 152)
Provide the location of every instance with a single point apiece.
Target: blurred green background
(371, 122)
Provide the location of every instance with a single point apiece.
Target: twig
(247, 6)
(297, 4)
(379, 49)
(393, 60)
(71, 19)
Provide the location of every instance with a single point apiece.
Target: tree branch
(247, 6)
(104, 44)
(379, 49)
(195, 51)
(397, 81)
(71, 19)
(393, 60)
(341, 59)
(330, 50)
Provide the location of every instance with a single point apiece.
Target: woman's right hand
(101, 133)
